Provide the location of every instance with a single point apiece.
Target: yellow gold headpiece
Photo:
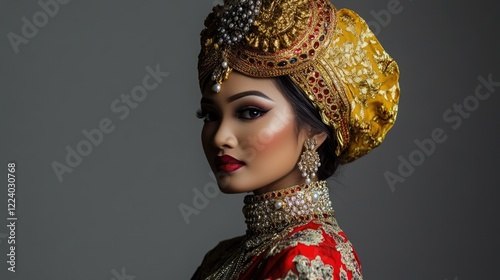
(331, 55)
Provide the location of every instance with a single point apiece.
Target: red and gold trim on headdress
(331, 55)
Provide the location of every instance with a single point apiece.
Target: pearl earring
(309, 160)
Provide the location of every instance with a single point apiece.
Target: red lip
(227, 163)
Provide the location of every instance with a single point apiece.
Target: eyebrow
(238, 96)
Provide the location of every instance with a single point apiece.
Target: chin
(233, 183)
(228, 190)
(233, 188)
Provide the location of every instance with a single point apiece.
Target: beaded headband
(330, 54)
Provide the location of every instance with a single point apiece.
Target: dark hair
(307, 115)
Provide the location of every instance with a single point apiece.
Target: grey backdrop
(116, 215)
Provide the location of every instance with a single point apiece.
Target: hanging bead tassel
(309, 160)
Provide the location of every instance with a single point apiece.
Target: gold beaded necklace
(273, 211)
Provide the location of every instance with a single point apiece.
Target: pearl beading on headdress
(237, 17)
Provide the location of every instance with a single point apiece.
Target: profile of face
(250, 136)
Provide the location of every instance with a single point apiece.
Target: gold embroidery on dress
(308, 237)
(345, 248)
(343, 274)
(309, 269)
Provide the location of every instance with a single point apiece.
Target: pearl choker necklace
(273, 211)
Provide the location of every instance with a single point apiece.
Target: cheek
(281, 139)
(277, 139)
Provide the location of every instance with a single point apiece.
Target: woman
(291, 89)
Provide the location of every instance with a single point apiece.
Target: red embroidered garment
(292, 234)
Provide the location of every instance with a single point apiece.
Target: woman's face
(249, 136)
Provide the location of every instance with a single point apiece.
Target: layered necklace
(273, 211)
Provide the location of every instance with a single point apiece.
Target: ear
(320, 138)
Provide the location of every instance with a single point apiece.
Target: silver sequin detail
(237, 17)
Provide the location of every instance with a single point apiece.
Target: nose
(225, 135)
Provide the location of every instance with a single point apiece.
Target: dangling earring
(309, 160)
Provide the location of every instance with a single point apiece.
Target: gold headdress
(330, 54)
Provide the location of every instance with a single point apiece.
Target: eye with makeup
(251, 112)
(245, 113)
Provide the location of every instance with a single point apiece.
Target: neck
(273, 211)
